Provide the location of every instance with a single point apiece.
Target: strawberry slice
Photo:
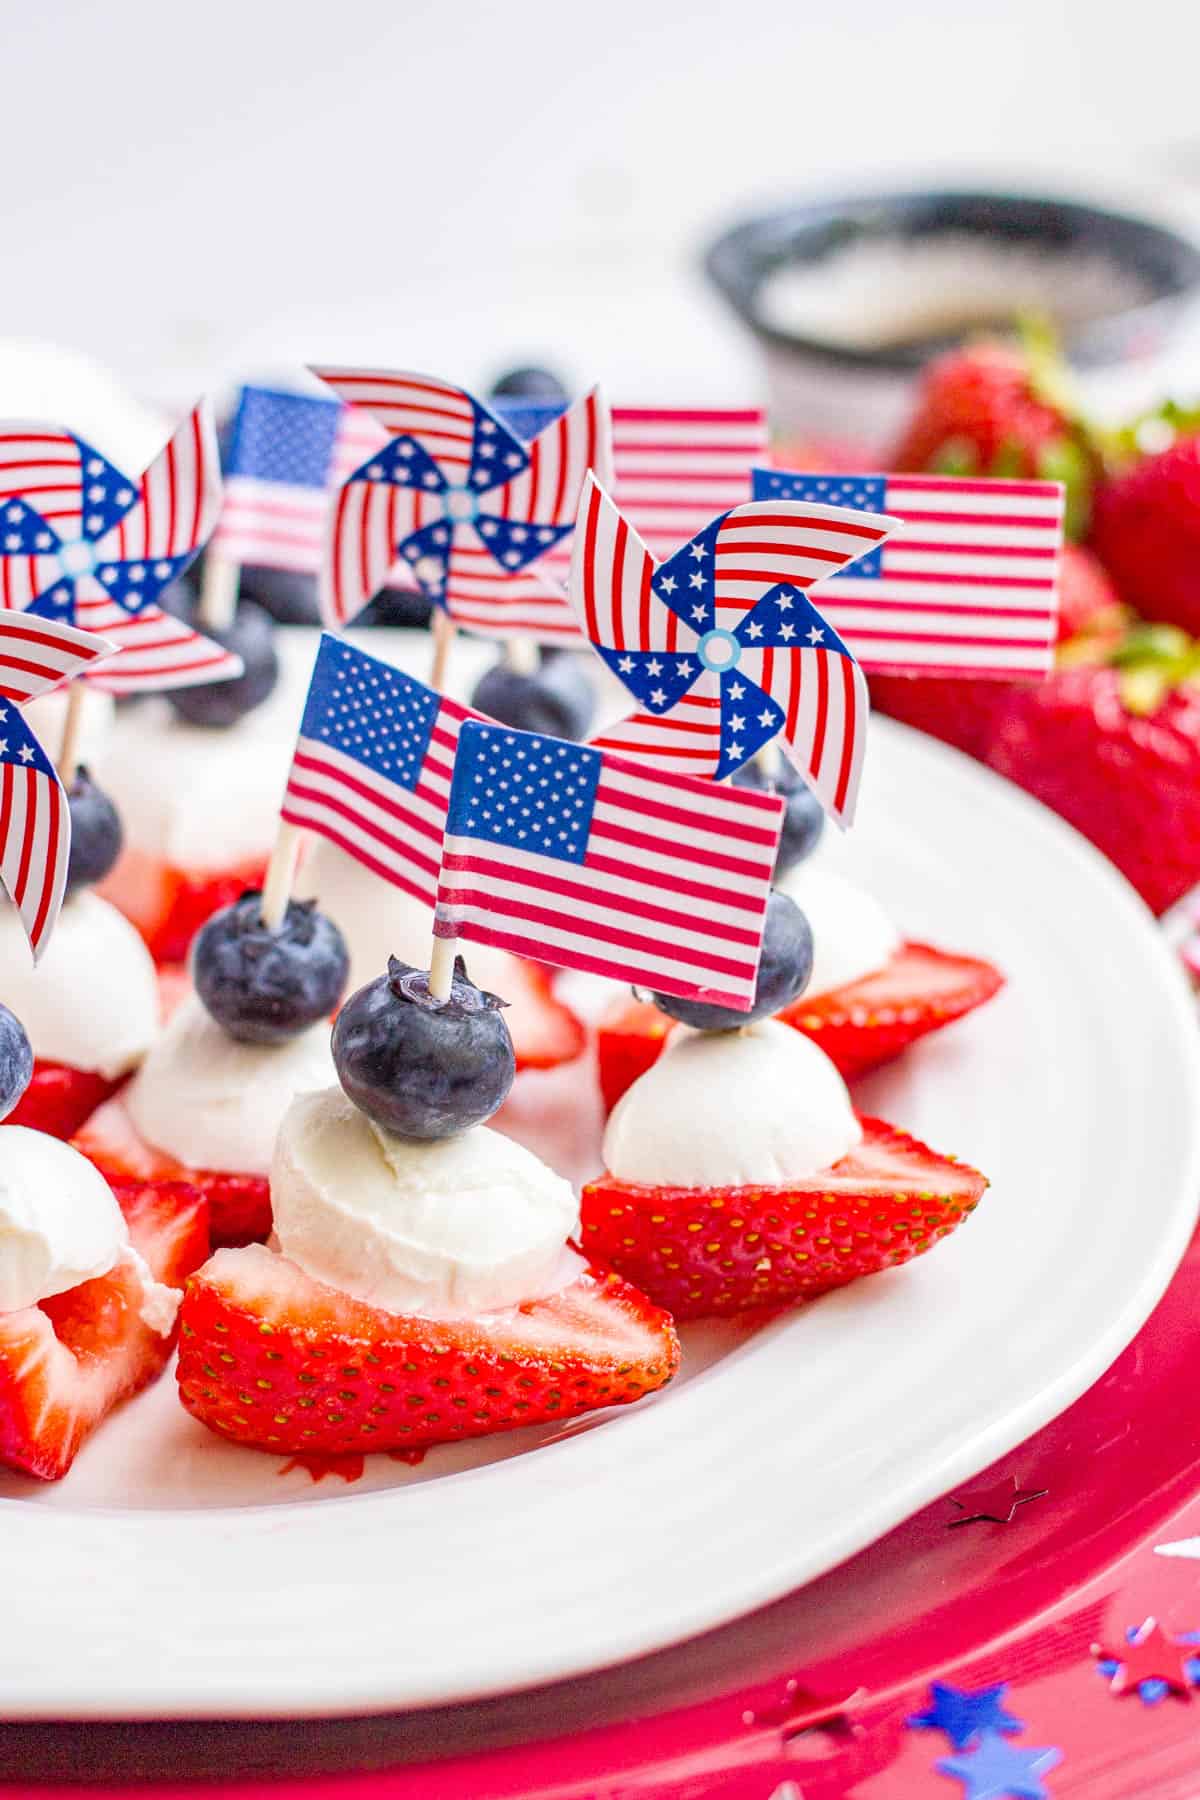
(271, 1358)
(65, 1364)
(869, 1022)
(169, 905)
(239, 1205)
(699, 1251)
(544, 1031)
(60, 1098)
(858, 1026)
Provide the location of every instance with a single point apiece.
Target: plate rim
(363, 1691)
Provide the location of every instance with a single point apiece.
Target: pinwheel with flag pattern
(36, 655)
(720, 645)
(83, 544)
(462, 501)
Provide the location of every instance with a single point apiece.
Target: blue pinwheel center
(719, 651)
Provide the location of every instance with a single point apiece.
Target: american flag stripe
(365, 523)
(37, 655)
(547, 492)
(391, 825)
(969, 584)
(673, 469)
(671, 889)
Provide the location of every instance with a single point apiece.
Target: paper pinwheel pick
(81, 543)
(720, 646)
(462, 501)
(36, 655)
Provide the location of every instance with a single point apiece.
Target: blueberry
(288, 595)
(16, 1061)
(421, 1068)
(529, 384)
(96, 835)
(783, 973)
(556, 700)
(265, 986)
(803, 818)
(222, 703)
(397, 606)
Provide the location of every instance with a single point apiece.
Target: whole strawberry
(999, 409)
(1147, 531)
(1116, 750)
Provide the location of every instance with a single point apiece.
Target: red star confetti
(997, 1502)
(1148, 1660)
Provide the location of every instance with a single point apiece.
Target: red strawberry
(859, 1026)
(869, 1022)
(544, 1031)
(1117, 753)
(59, 1098)
(65, 1364)
(169, 905)
(239, 1205)
(998, 409)
(271, 1358)
(1087, 600)
(1147, 532)
(699, 1251)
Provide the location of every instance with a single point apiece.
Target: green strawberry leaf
(957, 456)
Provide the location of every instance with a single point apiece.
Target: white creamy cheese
(92, 1001)
(213, 1103)
(469, 1224)
(757, 1107)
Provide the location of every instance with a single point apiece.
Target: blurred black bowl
(850, 296)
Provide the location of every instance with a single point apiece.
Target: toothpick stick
(521, 655)
(217, 606)
(281, 873)
(441, 968)
(68, 753)
(444, 633)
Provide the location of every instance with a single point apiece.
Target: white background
(198, 192)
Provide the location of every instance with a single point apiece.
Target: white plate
(174, 1574)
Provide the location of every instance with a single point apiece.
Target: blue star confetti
(965, 1713)
(998, 1770)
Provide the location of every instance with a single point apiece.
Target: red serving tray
(725, 1715)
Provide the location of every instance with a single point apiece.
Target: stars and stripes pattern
(458, 497)
(373, 766)
(286, 455)
(83, 544)
(589, 861)
(36, 655)
(674, 469)
(968, 586)
(720, 646)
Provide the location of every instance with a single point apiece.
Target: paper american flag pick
(81, 543)
(36, 655)
(373, 766)
(968, 587)
(462, 501)
(720, 646)
(286, 454)
(573, 857)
